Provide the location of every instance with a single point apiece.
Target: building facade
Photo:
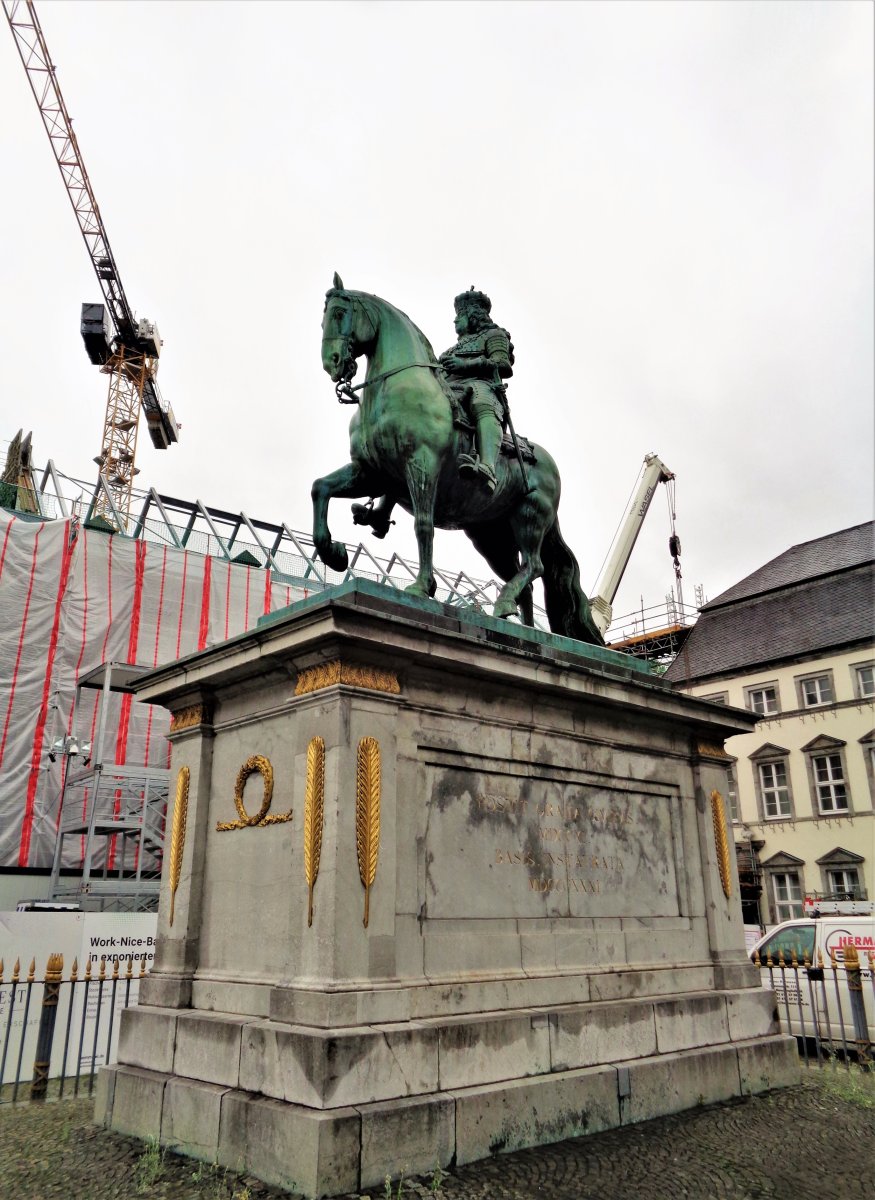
(795, 643)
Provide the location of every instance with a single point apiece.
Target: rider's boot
(489, 434)
(375, 515)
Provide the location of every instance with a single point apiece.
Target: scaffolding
(116, 814)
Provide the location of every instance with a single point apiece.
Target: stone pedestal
(550, 942)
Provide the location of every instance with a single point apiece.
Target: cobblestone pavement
(808, 1143)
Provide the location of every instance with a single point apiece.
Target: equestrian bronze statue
(429, 435)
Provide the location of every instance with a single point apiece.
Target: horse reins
(346, 394)
(343, 391)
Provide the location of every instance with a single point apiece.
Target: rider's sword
(502, 390)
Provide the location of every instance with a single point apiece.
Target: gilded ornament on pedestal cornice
(367, 814)
(721, 840)
(187, 718)
(711, 750)
(260, 765)
(323, 675)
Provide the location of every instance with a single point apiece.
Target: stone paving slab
(806, 1143)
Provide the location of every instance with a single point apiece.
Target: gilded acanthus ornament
(314, 679)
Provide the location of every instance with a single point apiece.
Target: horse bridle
(346, 394)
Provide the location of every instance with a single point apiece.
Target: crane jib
(124, 348)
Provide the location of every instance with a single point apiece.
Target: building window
(774, 790)
(864, 681)
(762, 699)
(829, 783)
(732, 794)
(815, 691)
(844, 884)
(717, 697)
(787, 895)
(867, 745)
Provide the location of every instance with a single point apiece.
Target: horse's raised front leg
(347, 482)
(421, 475)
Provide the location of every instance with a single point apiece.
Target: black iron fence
(62, 1029)
(830, 1007)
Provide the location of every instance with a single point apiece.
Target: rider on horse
(475, 368)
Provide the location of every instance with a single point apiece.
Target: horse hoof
(334, 556)
(417, 590)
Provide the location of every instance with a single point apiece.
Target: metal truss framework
(656, 633)
(127, 374)
(237, 537)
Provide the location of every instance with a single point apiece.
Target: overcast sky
(671, 206)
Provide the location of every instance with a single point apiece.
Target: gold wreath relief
(721, 841)
(177, 834)
(261, 765)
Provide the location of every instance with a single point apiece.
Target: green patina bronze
(428, 435)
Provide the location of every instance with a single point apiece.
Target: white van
(813, 1000)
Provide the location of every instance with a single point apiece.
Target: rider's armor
(480, 361)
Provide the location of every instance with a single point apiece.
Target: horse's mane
(398, 312)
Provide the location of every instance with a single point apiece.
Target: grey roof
(822, 556)
(815, 598)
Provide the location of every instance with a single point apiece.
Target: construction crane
(125, 349)
(653, 472)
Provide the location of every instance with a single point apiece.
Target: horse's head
(348, 330)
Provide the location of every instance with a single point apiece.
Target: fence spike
(74, 970)
(794, 961)
(820, 957)
(806, 961)
(756, 958)
(16, 970)
(31, 971)
(781, 962)
(142, 966)
(769, 962)
(832, 957)
(1, 970)
(130, 967)
(115, 969)
(88, 969)
(54, 968)
(102, 974)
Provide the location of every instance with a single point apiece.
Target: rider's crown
(473, 299)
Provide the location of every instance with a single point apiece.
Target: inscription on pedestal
(511, 846)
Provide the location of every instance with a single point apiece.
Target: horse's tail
(567, 607)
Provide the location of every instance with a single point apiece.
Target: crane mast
(125, 349)
(653, 473)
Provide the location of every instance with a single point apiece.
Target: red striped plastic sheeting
(72, 598)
